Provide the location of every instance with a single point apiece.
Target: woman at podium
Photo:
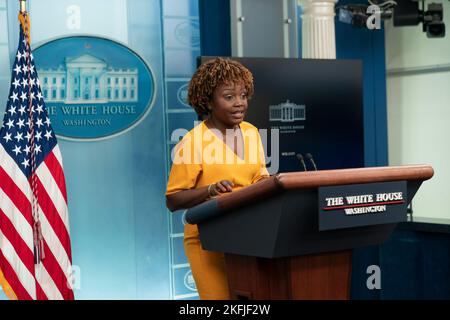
(221, 154)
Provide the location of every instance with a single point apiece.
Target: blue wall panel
(215, 27)
(415, 265)
(120, 228)
(181, 49)
(368, 45)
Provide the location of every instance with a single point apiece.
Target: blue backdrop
(125, 244)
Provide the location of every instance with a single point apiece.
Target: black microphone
(310, 158)
(300, 158)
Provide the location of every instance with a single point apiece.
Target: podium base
(324, 276)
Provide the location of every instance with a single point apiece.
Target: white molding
(318, 31)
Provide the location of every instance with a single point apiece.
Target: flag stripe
(23, 275)
(10, 232)
(26, 255)
(40, 294)
(52, 188)
(48, 229)
(11, 276)
(10, 167)
(21, 202)
(22, 227)
(54, 219)
(56, 170)
(57, 273)
(52, 241)
(48, 287)
(57, 153)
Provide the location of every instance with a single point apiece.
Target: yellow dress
(202, 158)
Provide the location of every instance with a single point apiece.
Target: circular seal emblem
(182, 94)
(189, 281)
(94, 88)
(188, 33)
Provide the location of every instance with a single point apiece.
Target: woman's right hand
(220, 187)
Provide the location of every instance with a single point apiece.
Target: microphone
(300, 158)
(310, 158)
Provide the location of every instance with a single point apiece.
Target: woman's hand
(186, 199)
(220, 187)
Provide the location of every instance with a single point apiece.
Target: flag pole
(23, 6)
(38, 239)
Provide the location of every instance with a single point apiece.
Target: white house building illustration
(287, 112)
(88, 79)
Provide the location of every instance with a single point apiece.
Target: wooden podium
(277, 247)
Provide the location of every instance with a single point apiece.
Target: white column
(69, 88)
(237, 20)
(318, 35)
(58, 87)
(135, 86)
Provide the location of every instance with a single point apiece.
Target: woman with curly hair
(222, 154)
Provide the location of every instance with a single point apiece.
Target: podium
(291, 236)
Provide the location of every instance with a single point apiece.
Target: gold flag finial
(23, 6)
(24, 20)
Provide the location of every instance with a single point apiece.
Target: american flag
(35, 252)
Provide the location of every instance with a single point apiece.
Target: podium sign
(356, 205)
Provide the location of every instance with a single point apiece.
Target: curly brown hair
(212, 74)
